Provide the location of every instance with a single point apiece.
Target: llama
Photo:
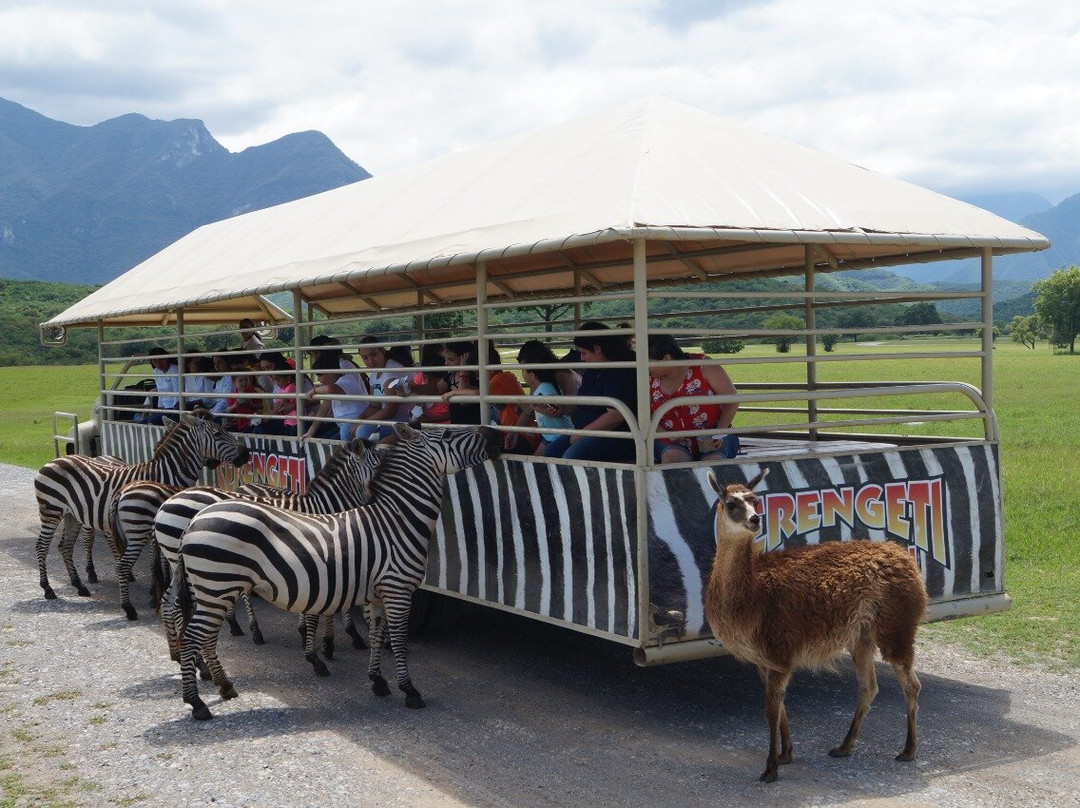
(801, 608)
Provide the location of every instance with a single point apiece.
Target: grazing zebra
(83, 487)
(343, 483)
(322, 564)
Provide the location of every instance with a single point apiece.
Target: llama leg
(786, 749)
(51, 519)
(862, 653)
(253, 624)
(376, 632)
(909, 682)
(775, 688)
(397, 619)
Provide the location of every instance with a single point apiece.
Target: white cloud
(957, 95)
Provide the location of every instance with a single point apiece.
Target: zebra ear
(167, 422)
(357, 446)
(405, 432)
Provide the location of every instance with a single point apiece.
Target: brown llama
(801, 608)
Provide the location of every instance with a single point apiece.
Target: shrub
(722, 345)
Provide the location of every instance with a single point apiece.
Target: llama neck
(731, 582)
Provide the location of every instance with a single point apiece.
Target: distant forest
(25, 304)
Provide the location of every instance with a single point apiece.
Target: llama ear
(754, 482)
(715, 483)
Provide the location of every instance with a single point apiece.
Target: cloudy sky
(962, 96)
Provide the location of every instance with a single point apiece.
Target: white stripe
(666, 530)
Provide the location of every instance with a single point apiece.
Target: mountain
(85, 204)
(1060, 223)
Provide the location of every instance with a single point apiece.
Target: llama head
(735, 512)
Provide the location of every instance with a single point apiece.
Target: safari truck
(654, 218)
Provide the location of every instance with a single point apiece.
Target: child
(241, 406)
(543, 382)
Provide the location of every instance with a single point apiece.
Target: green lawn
(1037, 400)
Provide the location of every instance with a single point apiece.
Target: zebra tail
(184, 601)
(158, 581)
(119, 539)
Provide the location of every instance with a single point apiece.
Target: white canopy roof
(713, 199)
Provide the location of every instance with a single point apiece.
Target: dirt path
(519, 714)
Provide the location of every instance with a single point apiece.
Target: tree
(862, 318)
(924, 313)
(778, 322)
(549, 313)
(722, 345)
(828, 341)
(1057, 305)
(1025, 330)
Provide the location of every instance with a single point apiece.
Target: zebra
(321, 564)
(83, 487)
(343, 483)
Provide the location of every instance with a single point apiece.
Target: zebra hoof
(328, 648)
(379, 686)
(91, 577)
(228, 692)
(129, 610)
(235, 630)
(257, 636)
(83, 591)
(414, 701)
(49, 594)
(200, 712)
(320, 667)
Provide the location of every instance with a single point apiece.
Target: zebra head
(352, 466)
(214, 442)
(449, 449)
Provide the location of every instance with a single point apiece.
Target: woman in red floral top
(666, 383)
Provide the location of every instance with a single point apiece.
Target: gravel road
(519, 714)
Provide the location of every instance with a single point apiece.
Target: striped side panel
(547, 539)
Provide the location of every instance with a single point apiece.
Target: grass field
(1037, 400)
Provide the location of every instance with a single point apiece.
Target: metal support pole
(988, 327)
(482, 337)
(298, 358)
(811, 340)
(641, 503)
(181, 346)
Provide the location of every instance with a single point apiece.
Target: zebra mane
(337, 463)
(172, 436)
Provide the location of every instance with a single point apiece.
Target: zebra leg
(326, 630)
(234, 626)
(311, 634)
(253, 624)
(159, 575)
(350, 629)
(51, 519)
(67, 551)
(397, 618)
(89, 534)
(123, 573)
(200, 635)
(376, 632)
(172, 620)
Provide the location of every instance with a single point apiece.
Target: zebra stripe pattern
(343, 483)
(82, 488)
(321, 564)
(559, 541)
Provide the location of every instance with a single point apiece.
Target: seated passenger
(333, 382)
(243, 413)
(389, 380)
(167, 384)
(501, 383)
(197, 380)
(431, 383)
(670, 382)
(223, 384)
(545, 381)
(618, 383)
